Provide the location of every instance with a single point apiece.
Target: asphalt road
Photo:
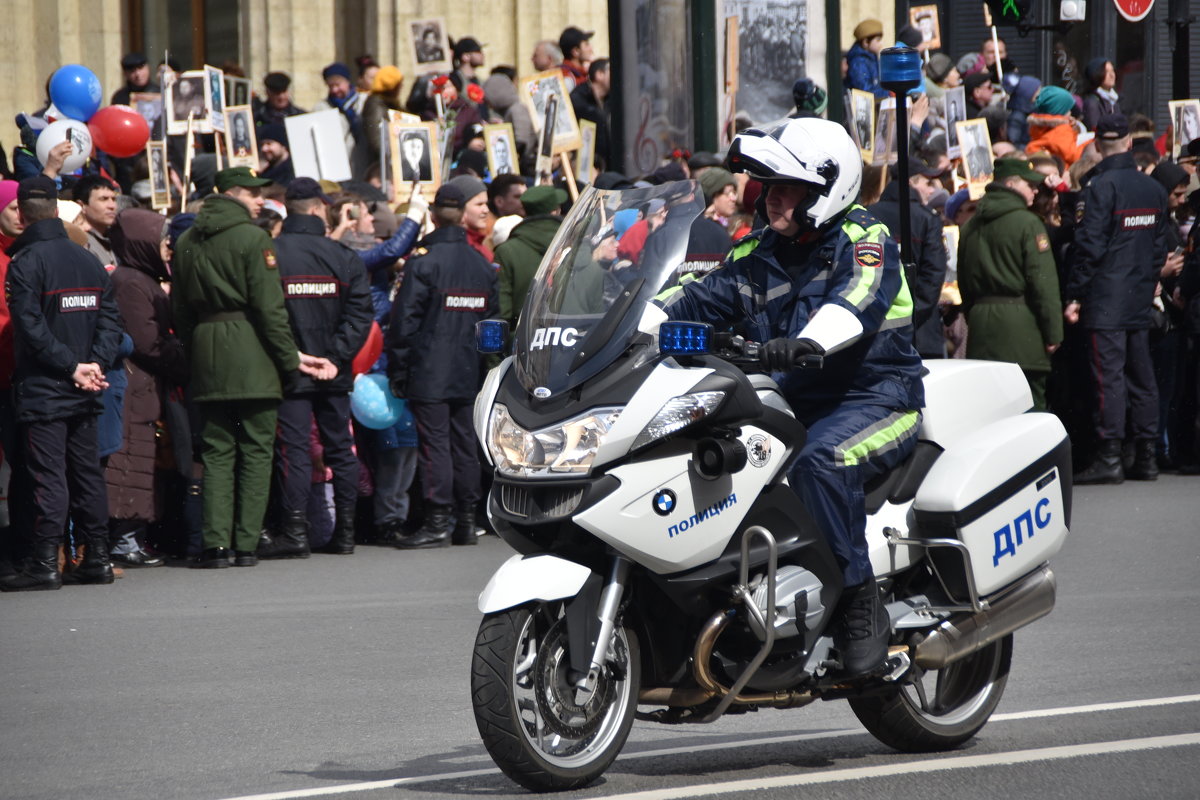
(347, 677)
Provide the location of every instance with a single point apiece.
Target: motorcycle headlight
(677, 413)
(568, 448)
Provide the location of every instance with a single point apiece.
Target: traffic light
(1010, 12)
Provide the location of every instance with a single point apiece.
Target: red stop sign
(1134, 10)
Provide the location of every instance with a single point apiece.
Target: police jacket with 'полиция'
(1120, 246)
(327, 297)
(770, 287)
(64, 314)
(448, 287)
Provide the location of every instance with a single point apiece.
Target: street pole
(900, 72)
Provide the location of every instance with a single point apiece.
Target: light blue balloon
(373, 403)
(75, 91)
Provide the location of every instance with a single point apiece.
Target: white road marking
(347, 788)
(929, 765)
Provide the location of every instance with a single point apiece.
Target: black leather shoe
(464, 525)
(434, 533)
(861, 636)
(137, 560)
(245, 558)
(213, 558)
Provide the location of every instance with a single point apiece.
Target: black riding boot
(290, 542)
(861, 636)
(434, 533)
(1145, 462)
(464, 525)
(39, 572)
(1106, 468)
(342, 541)
(95, 567)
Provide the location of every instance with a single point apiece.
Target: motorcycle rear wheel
(943, 708)
(525, 709)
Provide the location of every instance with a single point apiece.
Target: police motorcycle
(665, 571)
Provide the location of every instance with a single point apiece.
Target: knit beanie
(713, 181)
(939, 67)
(337, 68)
(1053, 100)
(808, 97)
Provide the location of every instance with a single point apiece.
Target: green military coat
(1009, 283)
(227, 302)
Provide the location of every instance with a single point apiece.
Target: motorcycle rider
(823, 279)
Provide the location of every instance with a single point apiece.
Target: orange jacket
(1054, 134)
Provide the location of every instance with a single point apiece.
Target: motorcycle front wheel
(540, 730)
(939, 709)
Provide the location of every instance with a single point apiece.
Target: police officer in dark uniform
(1120, 246)
(67, 331)
(329, 308)
(432, 362)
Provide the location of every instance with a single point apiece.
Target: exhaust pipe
(961, 635)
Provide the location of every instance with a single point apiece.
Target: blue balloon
(373, 403)
(75, 91)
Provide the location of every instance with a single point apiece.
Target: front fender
(525, 578)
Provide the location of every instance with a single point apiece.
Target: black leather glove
(399, 387)
(782, 355)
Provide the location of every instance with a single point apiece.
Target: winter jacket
(155, 363)
(771, 287)
(519, 258)
(502, 97)
(327, 298)
(1009, 283)
(1094, 107)
(228, 306)
(1120, 246)
(928, 273)
(6, 326)
(447, 288)
(1054, 134)
(862, 71)
(64, 314)
(583, 100)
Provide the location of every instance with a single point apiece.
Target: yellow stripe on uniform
(882, 436)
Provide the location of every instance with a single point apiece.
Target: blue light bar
(490, 335)
(685, 338)
(900, 69)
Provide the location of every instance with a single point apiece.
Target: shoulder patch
(868, 254)
(1079, 211)
(269, 258)
(1043, 242)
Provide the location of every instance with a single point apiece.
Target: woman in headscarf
(156, 364)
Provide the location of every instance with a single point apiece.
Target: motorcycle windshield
(614, 252)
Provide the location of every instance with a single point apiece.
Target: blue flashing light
(900, 69)
(490, 335)
(685, 338)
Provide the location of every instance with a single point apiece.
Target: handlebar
(747, 355)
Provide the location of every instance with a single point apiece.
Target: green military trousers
(238, 445)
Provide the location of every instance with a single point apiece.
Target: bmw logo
(541, 393)
(664, 502)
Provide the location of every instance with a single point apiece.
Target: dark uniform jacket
(1009, 283)
(228, 306)
(773, 287)
(1120, 246)
(64, 314)
(327, 297)
(928, 274)
(447, 288)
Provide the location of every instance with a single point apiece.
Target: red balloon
(119, 131)
(370, 351)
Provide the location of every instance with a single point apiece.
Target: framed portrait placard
(950, 242)
(414, 158)
(925, 19)
(586, 155)
(885, 133)
(318, 145)
(148, 105)
(535, 91)
(160, 179)
(395, 115)
(1185, 124)
(862, 122)
(429, 45)
(501, 148)
(976, 155)
(956, 111)
(188, 96)
(214, 79)
(237, 91)
(240, 142)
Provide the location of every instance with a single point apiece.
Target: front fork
(588, 660)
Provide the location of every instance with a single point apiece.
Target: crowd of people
(179, 387)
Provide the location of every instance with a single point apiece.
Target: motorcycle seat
(899, 484)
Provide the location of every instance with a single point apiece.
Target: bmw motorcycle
(664, 569)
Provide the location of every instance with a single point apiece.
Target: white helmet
(813, 151)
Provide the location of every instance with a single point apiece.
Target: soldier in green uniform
(228, 306)
(1008, 279)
